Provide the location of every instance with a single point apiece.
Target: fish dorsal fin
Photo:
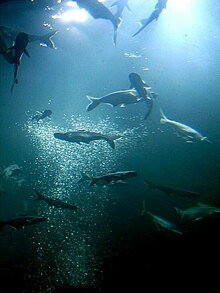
(179, 211)
(200, 204)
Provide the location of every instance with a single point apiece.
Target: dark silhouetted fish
(86, 137)
(197, 213)
(22, 221)
(120, 6)
(99, 10)
(19, 48)
(161, 4)
(110, 178)
(143, 91)
(119, 98)
(171, 190)
(55, 202)
(42, 115)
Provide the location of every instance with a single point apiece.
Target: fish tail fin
(12, 87)
(117, 24)
(144, 22)
(205, 138)
(84, 177)
(94, 102)
(15, 76)
(111, 140)
(46, 39)
(163, 118)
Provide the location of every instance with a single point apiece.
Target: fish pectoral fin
(157, 226)
(26, 53)
(122, 106)
(121, 182)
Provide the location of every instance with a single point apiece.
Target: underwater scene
(109, 146)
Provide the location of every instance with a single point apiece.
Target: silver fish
(22, 221)
(160, 6)
(110, 178)
(197, 213)
(184, 131)
(83, 136)
(162, 224)
(55, 202)
(118, 98)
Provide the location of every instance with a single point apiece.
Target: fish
(186, 132)
(120, 6)
(21, 221)
(118, 98)
(162, 224)
(83, 136)
(9, 34)
(98, 10)
(196, 213)
(170, 190)
(19, 48)
(160, 6)
(12, 171)
(143, 91)
(42, 115)
(110, 178)
(138, 84)
(55, 202)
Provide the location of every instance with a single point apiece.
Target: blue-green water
(178, 56)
